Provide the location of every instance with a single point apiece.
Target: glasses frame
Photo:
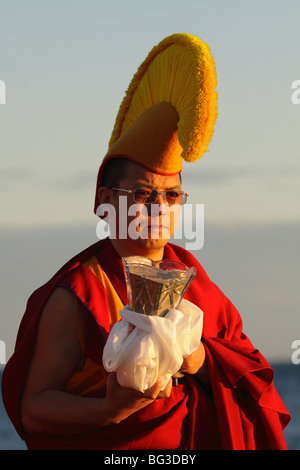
(163, 193)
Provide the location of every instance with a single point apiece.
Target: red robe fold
(242, 410)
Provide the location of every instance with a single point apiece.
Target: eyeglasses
(149, 196)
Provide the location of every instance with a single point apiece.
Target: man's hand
(194, 362)
(121, 402)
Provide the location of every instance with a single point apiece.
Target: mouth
(158, 231)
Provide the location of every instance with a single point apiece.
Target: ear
(104, 195)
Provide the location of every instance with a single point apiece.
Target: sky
(66, 66)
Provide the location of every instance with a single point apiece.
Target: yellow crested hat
(169, 110)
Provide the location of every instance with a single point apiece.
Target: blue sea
(287, 382)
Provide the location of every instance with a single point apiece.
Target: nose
(160, 199)
(159, 207)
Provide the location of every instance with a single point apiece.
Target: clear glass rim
(134, 260)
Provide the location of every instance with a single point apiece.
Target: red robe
(241, 410)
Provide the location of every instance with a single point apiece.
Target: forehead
(137, 175)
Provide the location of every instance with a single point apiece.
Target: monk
(55, 388)
(46, 406)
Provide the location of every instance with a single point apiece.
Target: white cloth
(155, 347)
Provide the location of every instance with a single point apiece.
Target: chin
(153, 244)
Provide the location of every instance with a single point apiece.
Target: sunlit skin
(138, 177)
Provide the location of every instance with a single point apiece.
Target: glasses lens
(173, 197)
(146, 196)
(142, 195)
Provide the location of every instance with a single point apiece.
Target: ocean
(287, 382)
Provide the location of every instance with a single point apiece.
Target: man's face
(154, 224)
